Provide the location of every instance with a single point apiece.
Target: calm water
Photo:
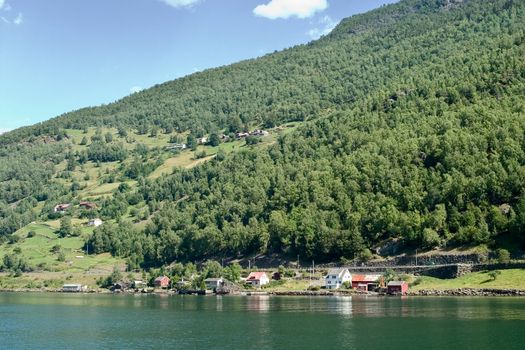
(57, 321)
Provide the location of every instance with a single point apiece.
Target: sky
(60, 55)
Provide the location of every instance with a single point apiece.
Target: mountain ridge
(410, 130)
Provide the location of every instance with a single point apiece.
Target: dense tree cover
(429, 159)
(415, 130)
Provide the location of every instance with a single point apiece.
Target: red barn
(162, 282)
(366, 283)
(397, 287)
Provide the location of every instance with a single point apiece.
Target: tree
(232, 272)
(214, 140)
(66, 227)
(503, 256)
(192, 142)
(494, 274)
(212, 269)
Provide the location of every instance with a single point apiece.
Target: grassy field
(508, 279)
(38, 251)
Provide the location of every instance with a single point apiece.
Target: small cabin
(87, 205)
(139, 284)
(60, 208)
(73, 288)
(162, 282)
(397, 287)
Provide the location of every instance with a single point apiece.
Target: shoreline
(459, 292)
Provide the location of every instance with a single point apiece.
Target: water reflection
(37, 321)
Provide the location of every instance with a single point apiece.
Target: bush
(494, 274)
(31, 234)
(503, 256)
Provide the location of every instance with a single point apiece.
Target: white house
(336, 277)
(257, 279)
(95, 222)
(213, 283)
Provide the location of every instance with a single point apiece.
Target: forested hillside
(411, 126)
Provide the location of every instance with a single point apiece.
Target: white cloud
(324, 26)
(2, 4)
(136, 89)
(5, 20)
(179, 3)
(290, 8)
(3, 131)
(19, 19)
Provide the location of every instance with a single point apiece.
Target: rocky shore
(485, 292)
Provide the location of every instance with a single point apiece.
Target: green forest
(409, 124)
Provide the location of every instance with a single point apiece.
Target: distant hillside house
(213, 283)
(366, 283)
(336, 277)
(161, 282)
(178, 146)
(259, 133)
(95, 222)
(87, 205)
(241, 135)
(202, 140)
(60, 208)
(257, 279)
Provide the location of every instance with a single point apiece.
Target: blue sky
(61, 55)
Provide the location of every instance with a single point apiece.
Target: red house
(162, 282)
(366, 283)
(397, 287)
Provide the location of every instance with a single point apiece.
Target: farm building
(366, 283)
(397, 287)
(61, 208)
(336, 277)
(87, 205)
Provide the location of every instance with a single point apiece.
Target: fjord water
(61, 321)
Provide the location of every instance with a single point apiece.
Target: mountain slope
(414, 130)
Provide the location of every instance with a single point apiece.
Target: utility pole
(298, 261)
(416, 256)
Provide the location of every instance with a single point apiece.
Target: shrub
(503, 256)
(494, 274)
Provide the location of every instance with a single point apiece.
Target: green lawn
(37, 250)
(508, 279)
